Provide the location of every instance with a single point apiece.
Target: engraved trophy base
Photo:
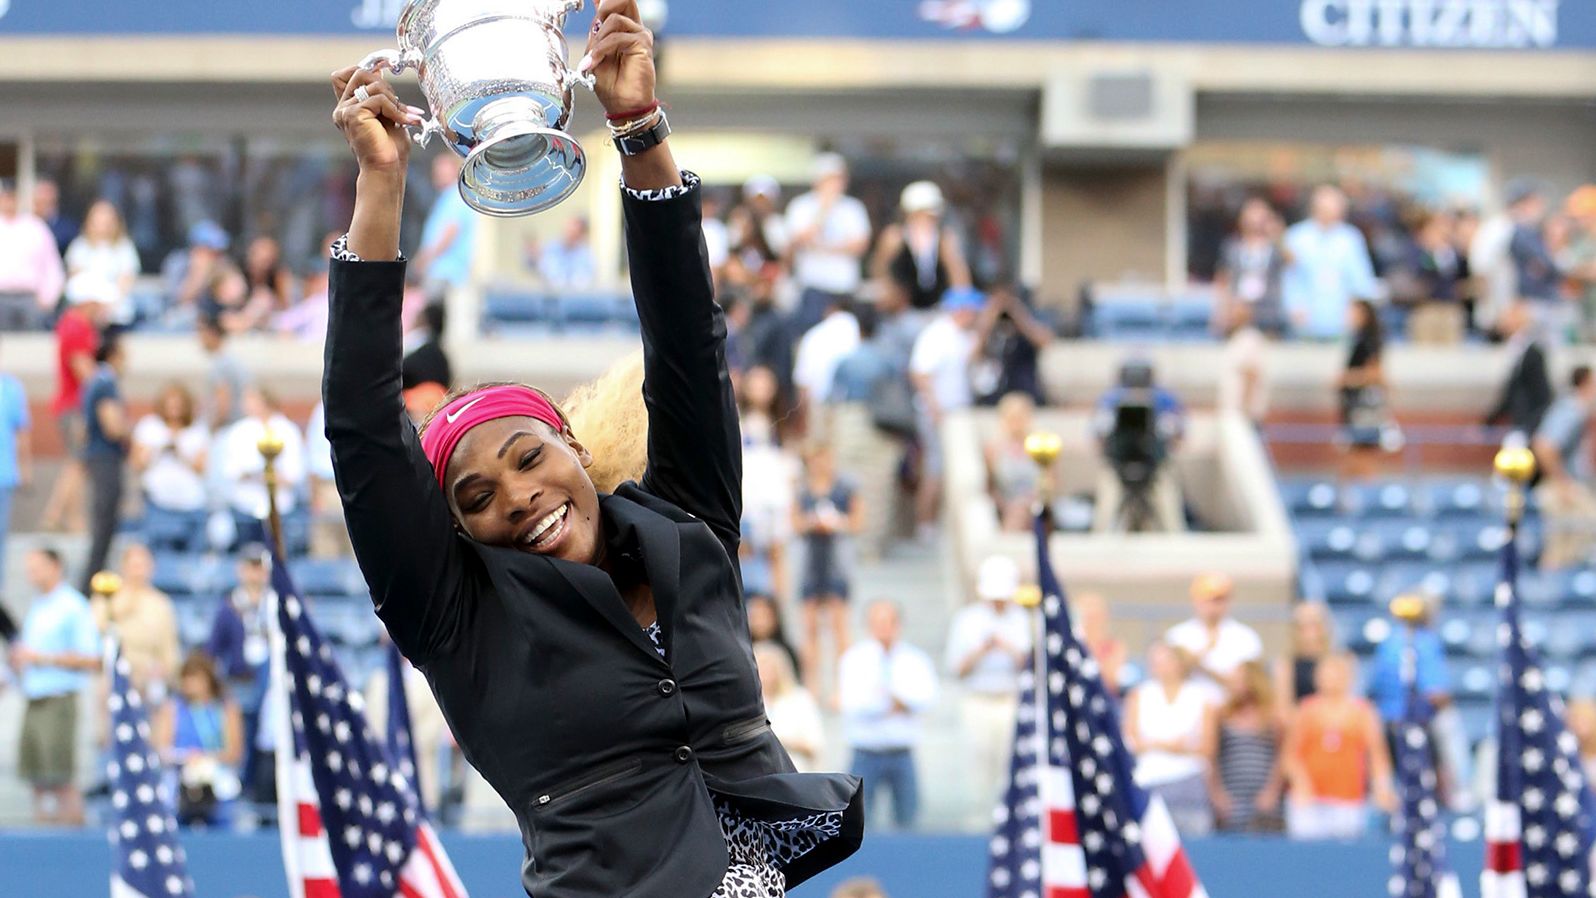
(519, 165)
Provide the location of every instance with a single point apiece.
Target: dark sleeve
(398, 520)
(1537, 387)
(695, 458)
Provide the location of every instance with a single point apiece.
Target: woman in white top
(169, 452)
(1170, 725)
(103, 248)
(794, 716)
(239, 469)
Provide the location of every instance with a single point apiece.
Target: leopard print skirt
(756, 848)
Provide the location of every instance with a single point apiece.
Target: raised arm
(694, 446)
(398, 521)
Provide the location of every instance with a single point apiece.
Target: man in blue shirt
(107, 428)
(1328, 268)
(448, 241)
(16, 454)
(1386, 687)
(58, 648)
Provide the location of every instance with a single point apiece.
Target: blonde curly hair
(606, 416)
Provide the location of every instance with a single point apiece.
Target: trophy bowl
(499, 89)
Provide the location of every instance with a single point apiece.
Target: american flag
(1539, 825)
(401, 746)
(148, 862)
(1074, 823)
(1420, 853)
(351, 825)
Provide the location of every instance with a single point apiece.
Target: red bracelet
(635, 113)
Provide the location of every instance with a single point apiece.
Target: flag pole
(270, 446)
(1516, 465)
(1044, 448)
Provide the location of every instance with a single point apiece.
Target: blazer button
(684, 754)
(667, 687)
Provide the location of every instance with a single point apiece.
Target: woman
(104, 249)
(144, 623)
(240, 471)
(1245, 782)
(1365, 416)
(1333, 753)
(200, 736)
(794, 715)
(169, 452)
(590, 652)
(1012, 477)
(1169, 725)
(1312, 638)
(827, 516)
(269, 288)
(1251, 265)
(764, 623)
(920, 257)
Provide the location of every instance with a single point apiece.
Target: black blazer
(1527, 393)
(606, 753)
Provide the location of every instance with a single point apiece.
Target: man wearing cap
(939, 368)
(201, 280)
(921, 257)
(830, 233)
(1218, 642)
(239, 643)
(989, 644)
(31, 272)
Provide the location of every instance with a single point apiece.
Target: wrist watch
(634, 144)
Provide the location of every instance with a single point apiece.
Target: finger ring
(361, 94)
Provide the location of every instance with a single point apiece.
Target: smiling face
(516, 483)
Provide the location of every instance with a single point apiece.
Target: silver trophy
(494, 73)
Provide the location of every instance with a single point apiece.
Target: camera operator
(1138, 425)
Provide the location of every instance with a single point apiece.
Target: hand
(620, 54)
(24, 657)
(374, 128)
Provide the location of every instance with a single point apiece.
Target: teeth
(544, 525)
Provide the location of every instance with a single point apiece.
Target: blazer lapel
(656, 536)
(599, 590)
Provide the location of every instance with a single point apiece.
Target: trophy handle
(396, 61)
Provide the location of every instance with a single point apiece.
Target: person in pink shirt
(30, 265)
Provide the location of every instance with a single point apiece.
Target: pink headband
(450, 424)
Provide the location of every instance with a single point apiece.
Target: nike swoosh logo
(452, 416)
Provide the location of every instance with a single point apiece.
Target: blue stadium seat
(1382, 499)
(1469, 498)
(1348, 583)
(189, 574)
(1313, 498)
(1327, 539)
(194, 621)
(327, 576)
(173, 531)
(1475, 682)
(1479, 719)
(1405, 539)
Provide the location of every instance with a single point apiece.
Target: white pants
(988, 731)
(1326, 819)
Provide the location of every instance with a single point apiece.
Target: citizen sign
(1482, 24)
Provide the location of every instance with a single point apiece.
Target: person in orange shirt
(1333, 749)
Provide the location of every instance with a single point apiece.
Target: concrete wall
(1102, 222)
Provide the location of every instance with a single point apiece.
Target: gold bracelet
(635, 126)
